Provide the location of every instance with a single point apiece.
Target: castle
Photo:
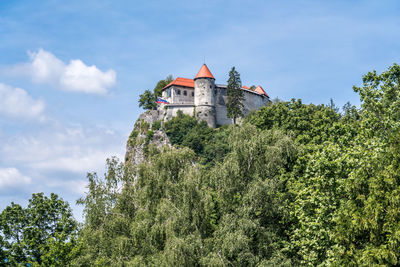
(205, 99)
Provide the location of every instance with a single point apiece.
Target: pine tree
(234, 91)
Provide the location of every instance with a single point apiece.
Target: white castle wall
(179, 98)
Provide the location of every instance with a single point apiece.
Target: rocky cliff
(146, 137)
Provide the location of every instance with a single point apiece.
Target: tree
(148, 99)
(44, 233)
(235, 95)
(367, 231)
(106, 230)
(332, 105)
(161, 84)
(306, 122)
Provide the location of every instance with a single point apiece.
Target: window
(192, 93)
(184, 93)
(168, 92)
(178, 92)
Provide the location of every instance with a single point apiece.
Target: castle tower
(204, 96)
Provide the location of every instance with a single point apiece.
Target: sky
(71, 71)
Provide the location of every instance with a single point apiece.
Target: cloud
(74, 186)
(79, 77)
(11, 177)
(76, 76)
(43, 68)
(16, 103)
(74, 149)
(55, 159)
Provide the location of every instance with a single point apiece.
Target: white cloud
(74, 186)
(89, 79)
(72, 149)
(11, 177)
(15, 102)
(46, 68)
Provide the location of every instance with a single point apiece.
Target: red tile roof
(181, 82)
(204, 72)
(260, 90)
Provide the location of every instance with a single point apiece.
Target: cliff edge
(147, 137)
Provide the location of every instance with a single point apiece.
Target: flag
(161, 101)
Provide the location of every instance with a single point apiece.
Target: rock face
(146, 136)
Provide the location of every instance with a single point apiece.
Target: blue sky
(71, 71)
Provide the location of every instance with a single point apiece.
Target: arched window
(185, 93)
(192, 93)
(178, 92)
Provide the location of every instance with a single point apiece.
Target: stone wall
(204, 100)
(220, 107)
(204, 91)
(172, 110)
(207, 114)
(150, 116)
(252, 101)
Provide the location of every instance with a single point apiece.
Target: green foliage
(208, 143)
(104, 227)
(132, 138)
(318, 187)
(149, 136)
(179, 126)
(370, 235)
(171, 212)
(156, 125)
(144, 126)
(380, 101)
(248, 187)
(345, 191)
(161, 84)
(44, 233)
(307, 123)
(148, 99)
(234, 104)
